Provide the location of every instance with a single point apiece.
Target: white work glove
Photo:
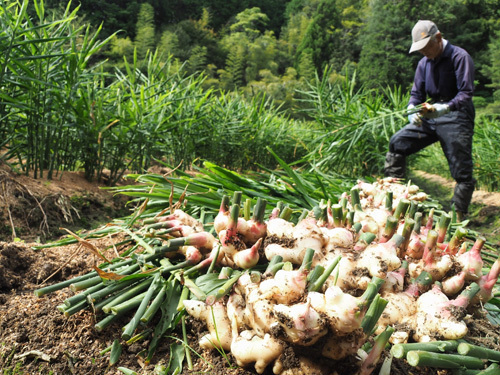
(436, 110)
(414, 118)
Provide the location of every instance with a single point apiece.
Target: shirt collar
(444, 53)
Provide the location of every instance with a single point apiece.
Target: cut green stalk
(286, 214)
(76, 308)
(389, 200)
(100, 294)
(444, 222)
(316, 285)
(82, 295)
(288, 266)
(401, 208)
(277, 259)
(343, 203)
(400, 350)
(338, 215)
(356, 227)
(194, 289)
(225, 272)
(140, 336)
(412, 210)
(478, 351)
(303, 215)
(308, 258)
(128, 294)
(85, 284)
(195, 239)
(418, 222)
(136, 319)
(373, 357)
(211, 267)
(185, 340)
(355, 201)
(259, 210)
(63, 284)
(128, 305)
(155, 305)
(271, 271)
(315, 274)
(184, 295)
(167, 267)
(371, 291)
(456, 239)
(97, 307)
(391, 225)
(96, 280)
(247, 209)
(348, 218)
(443, 360)
(493, 369)
(159, 252)
(467, 294)
(227, 287)
(364, 240)
(237, 198)
(373, 314)
(423, 280)
(171, 226)
(407, 230)
(102, 324)
(255, 277)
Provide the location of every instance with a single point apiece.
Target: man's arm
(464, 72)
(418, 94)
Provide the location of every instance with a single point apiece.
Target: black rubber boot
(462, 196)
(395, 165)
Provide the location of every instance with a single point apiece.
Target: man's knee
(395, 165)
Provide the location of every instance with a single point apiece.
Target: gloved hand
(435, 110)
(414, 118)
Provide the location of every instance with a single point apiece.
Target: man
(441, 99)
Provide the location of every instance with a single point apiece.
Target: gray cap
(421, 34)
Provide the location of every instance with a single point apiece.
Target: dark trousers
(454, 132)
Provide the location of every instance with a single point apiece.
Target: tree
(251, 22)
(384, 59)
(492, 70)
(306, 67)
(145, 36)
(319, 39)
(198, 60)
(248, 49)
(169, 43)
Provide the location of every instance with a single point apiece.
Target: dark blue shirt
(447, 79)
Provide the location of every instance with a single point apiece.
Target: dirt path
(480, 196)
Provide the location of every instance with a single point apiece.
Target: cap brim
(417, 46)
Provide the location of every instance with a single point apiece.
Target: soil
(35, 338)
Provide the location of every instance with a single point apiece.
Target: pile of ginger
(312, 287)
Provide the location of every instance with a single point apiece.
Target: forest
(271, 46)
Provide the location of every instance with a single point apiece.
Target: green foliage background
(110, 88)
